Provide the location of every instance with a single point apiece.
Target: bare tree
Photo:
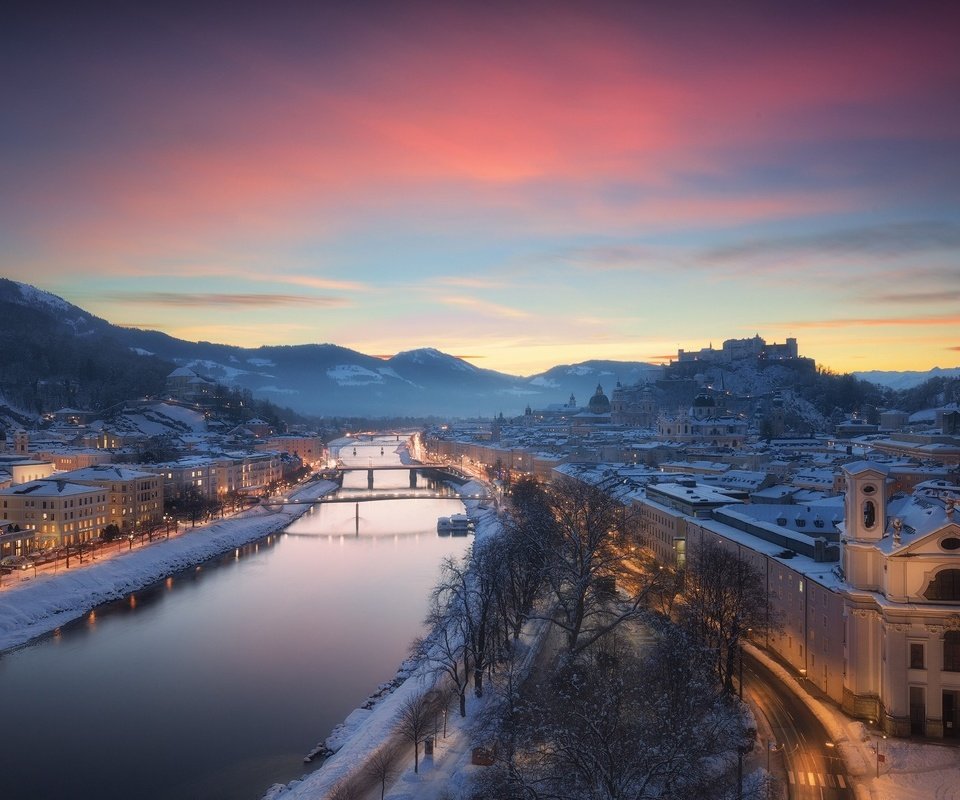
(584, 562)
(380, 767)
(523, 550)
(445, 648)
(484, 579)
(343, 791)
(413, 723)
(724, 598)
(611, 726)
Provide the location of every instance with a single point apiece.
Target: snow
(425, 354)
(141, 352)
(353, 375)
(34, 607)
(261, 362)
(391, 373)
(213, 369)
(37, 297)
(580, 371)
(546, 383)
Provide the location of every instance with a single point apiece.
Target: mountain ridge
(319, 379)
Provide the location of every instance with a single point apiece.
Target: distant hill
(54, 354)
(907, 379)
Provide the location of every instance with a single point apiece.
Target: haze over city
(519, 185)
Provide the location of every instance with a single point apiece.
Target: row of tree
(604, 718)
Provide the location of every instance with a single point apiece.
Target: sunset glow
(530, 184)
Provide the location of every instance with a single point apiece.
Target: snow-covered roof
(47, 488)
(105, 472)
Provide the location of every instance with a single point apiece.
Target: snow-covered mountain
(908, 379)
(56, 345)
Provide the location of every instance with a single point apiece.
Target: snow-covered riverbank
(42, 605)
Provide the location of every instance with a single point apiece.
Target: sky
(522, 184)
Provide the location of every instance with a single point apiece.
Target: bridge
(440, 472)
(369, 498)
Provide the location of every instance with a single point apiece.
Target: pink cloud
(491, 111)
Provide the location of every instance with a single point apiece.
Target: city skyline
(521, 186)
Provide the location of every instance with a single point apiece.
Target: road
(814, 770)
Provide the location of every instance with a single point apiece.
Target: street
(813, 767)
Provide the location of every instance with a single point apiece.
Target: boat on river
(456, 525)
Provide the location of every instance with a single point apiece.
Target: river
(214, 683)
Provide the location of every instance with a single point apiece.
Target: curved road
(814, 770)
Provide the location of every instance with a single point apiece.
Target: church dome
(599, 403)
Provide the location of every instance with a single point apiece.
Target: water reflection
(214, 683)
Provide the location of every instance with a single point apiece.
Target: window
(916, 655)
(951, 651)
(869, 514)
(945, 586)
(950, 543)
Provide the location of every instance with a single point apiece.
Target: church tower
(865, 506)
(865, 519)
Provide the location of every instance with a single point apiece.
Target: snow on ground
(912, 770)
(39, 606)
(353, 375)
(546, 383)
(186, 416)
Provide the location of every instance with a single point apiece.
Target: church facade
(901, 562)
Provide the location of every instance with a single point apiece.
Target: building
(135, 497)
(309, 449)
(187, 386)
(59, 512)
(741, 349)
(23, 469)
(216, 476)
(901, 561)
(878, 631)
(703, 423)
(15, 541)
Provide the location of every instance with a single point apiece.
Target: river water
(215, 683)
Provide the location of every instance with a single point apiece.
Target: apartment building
(135, 497)
(60, 512)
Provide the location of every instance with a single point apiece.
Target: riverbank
(369, 729)
(42, 605)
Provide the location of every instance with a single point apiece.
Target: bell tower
(865, 505)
